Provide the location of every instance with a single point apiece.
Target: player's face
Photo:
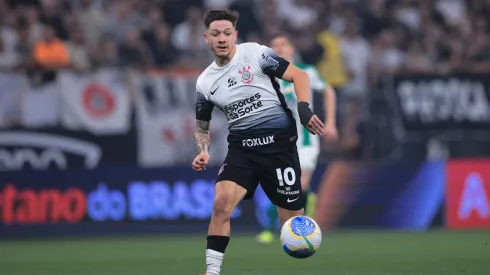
(221, 37)
(283, 47)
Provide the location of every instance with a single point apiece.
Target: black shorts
(270, 159)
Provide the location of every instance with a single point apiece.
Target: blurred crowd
(353, 42)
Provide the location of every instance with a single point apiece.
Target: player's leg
(267, 235)
(305, 186)
(227, 196)
(235, 183)
(280, 177)
(308, 156)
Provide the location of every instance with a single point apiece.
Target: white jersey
(246, 90)
(317, 84)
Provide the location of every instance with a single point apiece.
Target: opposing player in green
(308, 144)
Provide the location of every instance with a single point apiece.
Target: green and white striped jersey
(317, 84)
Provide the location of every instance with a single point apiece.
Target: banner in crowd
(165, 121)
(129, 199)
(452, 102)
(98, 103)
(468, 193)
(61, 149)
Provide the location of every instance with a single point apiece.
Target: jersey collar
(232, 61)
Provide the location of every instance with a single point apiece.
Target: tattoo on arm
(202, 135)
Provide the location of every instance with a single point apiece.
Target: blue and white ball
(301, 237)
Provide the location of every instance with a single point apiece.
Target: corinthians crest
(247, 75)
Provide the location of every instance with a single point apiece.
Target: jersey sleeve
(317, 83)
(204, 107)
(270, 63)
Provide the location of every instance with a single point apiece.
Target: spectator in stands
(152, 21)
(51, 15)
(297, 13)
(122, 19)
(356, 53)
(92, 20)
(106, 53)
(8, 59)
(77, 50)
(164, 53)
(8, 31)
(133, 52)
(23, 47)
(251, 24)
(51, 52)
(477, 55)
(417, 61)
(387, 57)
(187, 36)
(430, 33)
(34, 25)
(216, 4)
(331, 65)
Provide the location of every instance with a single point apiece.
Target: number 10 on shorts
(288, 176)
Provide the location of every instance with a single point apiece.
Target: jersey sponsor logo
(247, 75)
(231, 82)
(287, 192)
(271, 61)
(243, 107)
(252, 142)
(212, 93)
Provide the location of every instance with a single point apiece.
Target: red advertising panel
(468, 194)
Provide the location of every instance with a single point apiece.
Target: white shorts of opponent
(308, 156)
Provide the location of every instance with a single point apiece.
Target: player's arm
(201, 135)
(301, 82)
(275, 66)
(204, 109)
(329, 101)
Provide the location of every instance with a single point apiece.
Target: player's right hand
(315, 126)
(201, 161)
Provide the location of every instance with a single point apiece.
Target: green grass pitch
(351, 253)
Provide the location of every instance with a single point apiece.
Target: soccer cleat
(266, 237)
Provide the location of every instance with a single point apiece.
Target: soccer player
(308, 144)
(243, 83)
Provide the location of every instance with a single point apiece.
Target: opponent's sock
(272, 215)
(215, 252)
(311, 204)
(306, 194)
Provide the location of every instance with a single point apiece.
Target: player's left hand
(315, 126)
(330, 133)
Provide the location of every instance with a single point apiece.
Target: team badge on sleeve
(221, 169)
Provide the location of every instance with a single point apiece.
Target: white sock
(214, 259)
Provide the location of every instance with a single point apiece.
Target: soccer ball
(300, 237)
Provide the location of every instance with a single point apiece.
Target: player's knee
(222, 207)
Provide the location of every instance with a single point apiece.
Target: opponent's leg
(308, 156)
(227, 196)
(305, 186)
(267, 236)
(285, 214)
